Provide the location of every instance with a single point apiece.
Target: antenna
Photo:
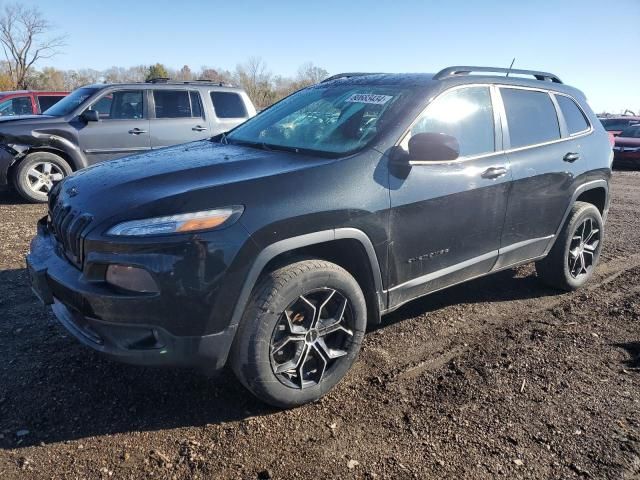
(511, 66)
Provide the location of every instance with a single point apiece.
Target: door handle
(494, 172)
(571, 157)
(136, 131)
(198, 128)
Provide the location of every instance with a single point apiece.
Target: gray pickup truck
(107, 121)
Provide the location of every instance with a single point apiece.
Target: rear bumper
(626, 160)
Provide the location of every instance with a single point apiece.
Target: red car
(626, 151)
(618, 123)
(27, 102)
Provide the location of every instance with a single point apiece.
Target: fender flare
(272, 251)
(585, 187)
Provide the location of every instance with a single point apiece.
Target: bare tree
(254, 77)
(24, 38)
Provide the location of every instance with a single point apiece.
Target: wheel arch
(74, 160)
(359, 260)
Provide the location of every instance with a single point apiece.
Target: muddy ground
(500, 377)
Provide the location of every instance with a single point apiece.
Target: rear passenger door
(229, 109)
(544, 163)
(177, 117)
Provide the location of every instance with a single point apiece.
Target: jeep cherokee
(273, 246)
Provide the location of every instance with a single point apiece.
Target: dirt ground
(499, 377)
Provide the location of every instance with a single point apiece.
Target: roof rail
(346, 75)
(159, 80)
(465, 70)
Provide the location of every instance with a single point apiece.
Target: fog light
(131, 278)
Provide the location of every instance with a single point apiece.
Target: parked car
(107, 121)
(626, 152)
(616, 124)
(27, 102)
(273, 246)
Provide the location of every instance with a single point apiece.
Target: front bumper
(129, 327)
(6, 160)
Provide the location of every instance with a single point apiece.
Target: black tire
(564, 270)
(23, 179)
(254, 354)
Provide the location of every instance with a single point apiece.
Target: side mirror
(432, 147)
(90, 116)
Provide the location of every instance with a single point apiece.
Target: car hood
(627, 142)
(184, 178)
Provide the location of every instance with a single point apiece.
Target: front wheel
(35, 175)
(300, 333)
(575, 254)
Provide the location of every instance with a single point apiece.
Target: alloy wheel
(583, 247)
(310, 337)
(42, 176)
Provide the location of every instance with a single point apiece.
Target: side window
(47, 101)
(228, 105)
(464, 113)
(196, 105)
(16, 106)
(172, 103)
(572, 114)
(120, 105)
(531, 117)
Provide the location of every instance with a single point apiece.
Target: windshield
(631, 132)
(332, 120)
(69, 103)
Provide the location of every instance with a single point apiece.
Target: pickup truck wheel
(300, 333)
(36, 174)
(576, 252)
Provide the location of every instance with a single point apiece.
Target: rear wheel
(35, 176)
(300, 333)
(576, 252)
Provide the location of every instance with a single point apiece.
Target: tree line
(27, 37)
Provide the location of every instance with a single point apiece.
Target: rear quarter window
(531, 117)
(573, 116)
(228, 105)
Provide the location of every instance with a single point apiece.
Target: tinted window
(16, 106)
(196, 105)
(465, 113)
(228, 105)
(172, 103)
(572, 114)
(631, 132)
(120, 105)
(47, 101)
(531, 117)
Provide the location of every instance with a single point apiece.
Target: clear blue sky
(591, 44)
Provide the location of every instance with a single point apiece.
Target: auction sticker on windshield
(373, 98)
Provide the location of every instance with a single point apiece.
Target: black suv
(107, 121)
(273, 246)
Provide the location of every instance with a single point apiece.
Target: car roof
(19, 92)
(429, 80)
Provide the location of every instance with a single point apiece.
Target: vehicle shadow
(503, 286)
(633, 349)
(9, 197)
(58, 390)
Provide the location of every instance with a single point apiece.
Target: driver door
(123, 128)
(447, 216)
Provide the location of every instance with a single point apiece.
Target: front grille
(68, 225)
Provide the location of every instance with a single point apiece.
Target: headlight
(183, 223)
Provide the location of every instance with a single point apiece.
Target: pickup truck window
(48, 101)
(16, 106)
(228, 105)
(69, 103)
(175, 104)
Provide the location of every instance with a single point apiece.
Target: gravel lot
(500, 377)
